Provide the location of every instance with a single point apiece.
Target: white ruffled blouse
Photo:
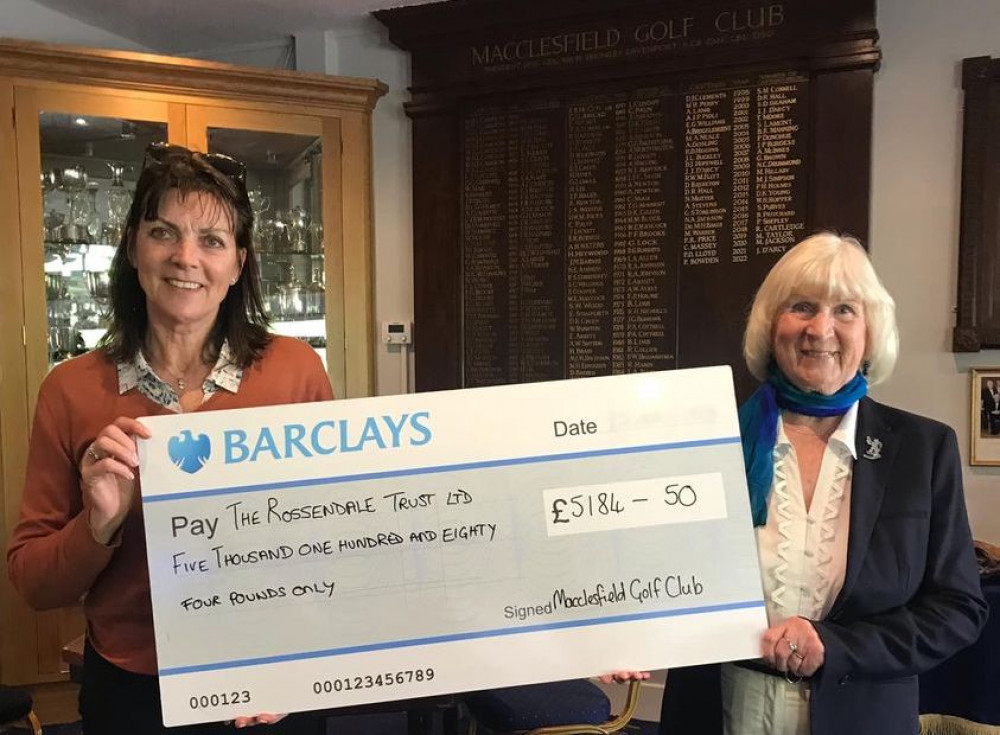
(803, 560)
(803, 553)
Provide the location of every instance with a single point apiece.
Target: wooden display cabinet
(73, 127)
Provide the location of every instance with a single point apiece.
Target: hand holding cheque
(107, 477)
(378, 549)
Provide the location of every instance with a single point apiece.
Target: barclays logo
(187, 452)
(190, 452)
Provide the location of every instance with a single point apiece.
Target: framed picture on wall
(985, 416)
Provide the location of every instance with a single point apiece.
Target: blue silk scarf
(759, 426)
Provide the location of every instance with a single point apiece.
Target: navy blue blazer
(911, 595)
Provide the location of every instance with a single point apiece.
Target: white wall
(33, 22)
(915, 212)
(364, 50)
(278, 53)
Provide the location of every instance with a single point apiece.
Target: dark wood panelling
(436, 250)
(501, 173)
(978, 324)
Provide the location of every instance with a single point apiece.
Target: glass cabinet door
(284, 179)
(89, 165)
(89, 151)
(296, 237)
(78, 156)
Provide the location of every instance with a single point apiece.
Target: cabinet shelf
(299, 327)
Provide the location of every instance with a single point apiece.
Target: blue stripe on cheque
(437, 469)
(496, 633)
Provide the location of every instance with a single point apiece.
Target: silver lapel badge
(874, 450)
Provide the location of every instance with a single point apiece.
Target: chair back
(951, 725)
(555, 708)
(16, 706)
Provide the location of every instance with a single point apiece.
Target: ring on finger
(798, 655)
(792, 645)
(92, 453)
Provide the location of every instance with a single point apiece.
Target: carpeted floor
(360, 725)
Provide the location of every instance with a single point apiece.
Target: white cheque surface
(328, 554)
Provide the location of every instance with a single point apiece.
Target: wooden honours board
(592, 197)
(592, 224)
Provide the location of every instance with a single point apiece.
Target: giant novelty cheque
(339, 553)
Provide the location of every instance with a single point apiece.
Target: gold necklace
(178, 378)
(181, 381)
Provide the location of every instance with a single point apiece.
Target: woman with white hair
(866, 556)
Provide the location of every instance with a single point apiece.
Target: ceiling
(180, 26)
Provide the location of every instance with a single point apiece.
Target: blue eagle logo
(188, 453)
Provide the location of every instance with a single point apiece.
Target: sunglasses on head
(227, 166)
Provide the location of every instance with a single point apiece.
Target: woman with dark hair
(188, 332)
(866, 557)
